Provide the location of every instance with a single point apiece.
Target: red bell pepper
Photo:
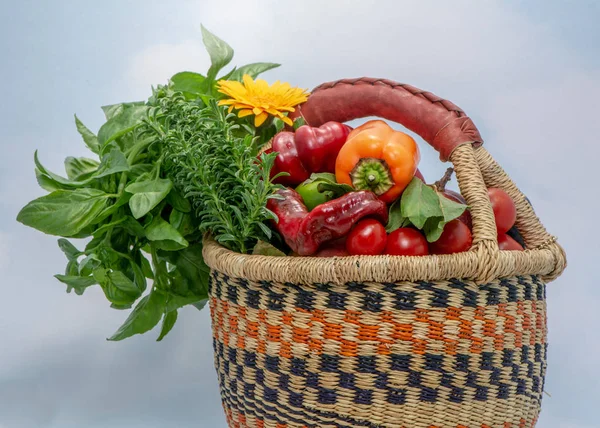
(307, 150)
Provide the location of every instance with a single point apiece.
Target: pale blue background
(527, 72)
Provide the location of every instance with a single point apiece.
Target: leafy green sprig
(167, 171)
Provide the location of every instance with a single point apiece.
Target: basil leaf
(112, 162)
(450, 209)
(147, 195)
(166, 237)
(80, 168)
(77, 283)
(48, 183)
(89, 138)
(146, 267)
(117, 287)
(220, 53)
(63, 212)
(175, 302)
(188, 82)
(395, 218)
(69, 249)
(123, 122)
(419, 202)
(433, 228)
(144, 317)
(253, 70)
(88, 264)
(60, 182)
(168, 322)
(177, 201)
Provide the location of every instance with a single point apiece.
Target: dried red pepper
(307, 150)
(304, 232)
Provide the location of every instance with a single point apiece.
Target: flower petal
(244, 113)
(287, 121)
(259, 120)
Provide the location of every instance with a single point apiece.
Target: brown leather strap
(441, 123)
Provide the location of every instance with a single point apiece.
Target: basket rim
(381, 269)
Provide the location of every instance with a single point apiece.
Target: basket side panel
(409, 354)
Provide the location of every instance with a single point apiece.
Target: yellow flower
(260, 99)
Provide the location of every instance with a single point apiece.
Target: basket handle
(453, 134)
(439, 122)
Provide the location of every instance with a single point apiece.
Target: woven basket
(388, 341)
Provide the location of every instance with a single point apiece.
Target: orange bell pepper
(378, 158)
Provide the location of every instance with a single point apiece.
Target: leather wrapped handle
(439, 122)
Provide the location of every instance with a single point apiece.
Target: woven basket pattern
(447, 353)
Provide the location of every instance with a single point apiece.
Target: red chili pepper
(304, 232)
(307, 150)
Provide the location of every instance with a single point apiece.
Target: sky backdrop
(528, 73)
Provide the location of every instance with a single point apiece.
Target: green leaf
(265, 249)
(88, 264)
(420, 202)
(117, 287)
(89, 138)
(48, 183)
(63, 212)
(395, 219)
(112, 162)
(253, 70)
(69, 249)
(168, 322)
(298, 122)
(80, 168)
(433, 228)
(77, 283)
(177, 201)
(57, 180)
(175, 302)
(147, 195)
(133, 227)
(146, 267)
(112, 110)
(450, 209)
(123, 122)
(188, 82)
(220, 53)
(165, 236)
(144, 317)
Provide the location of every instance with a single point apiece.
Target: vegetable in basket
(378, 158)
(307, 150)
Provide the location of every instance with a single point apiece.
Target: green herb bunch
(214, 162)
(168, 171)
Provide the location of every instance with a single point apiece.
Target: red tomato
(505, 242)
(504, 208)
(465, 217)
(455, 238)
(368, 237)
(406, 242)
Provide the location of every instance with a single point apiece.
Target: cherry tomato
(368, 237)
(406, 242)
(504, 208)
(506, 243)
(465, 217)
(455, 238)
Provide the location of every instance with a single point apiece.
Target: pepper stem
(372, 174)
(440, 185)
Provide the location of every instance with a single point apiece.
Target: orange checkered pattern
(412, 355)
